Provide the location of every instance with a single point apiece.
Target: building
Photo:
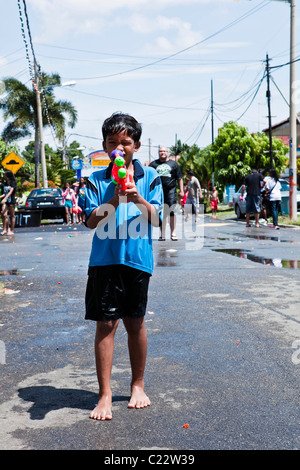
(282, 131)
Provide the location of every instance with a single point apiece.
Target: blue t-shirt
(126, 236)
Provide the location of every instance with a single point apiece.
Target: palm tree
(20, 105)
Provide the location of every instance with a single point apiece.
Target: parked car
(49, 200)
(240, 205)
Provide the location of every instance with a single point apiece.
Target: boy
(121, 262)
(214, 200)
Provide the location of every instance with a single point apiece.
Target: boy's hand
(131, 192)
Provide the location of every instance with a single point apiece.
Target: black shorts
(115, 292)
(170, 198)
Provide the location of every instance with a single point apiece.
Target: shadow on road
(46, 399)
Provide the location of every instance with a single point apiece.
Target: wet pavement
(223, 323)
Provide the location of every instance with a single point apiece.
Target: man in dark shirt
(170, 174)
(253, 183)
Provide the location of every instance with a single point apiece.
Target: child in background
(69, 201)
(214, 200)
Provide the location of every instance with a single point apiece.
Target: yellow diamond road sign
(12, 162)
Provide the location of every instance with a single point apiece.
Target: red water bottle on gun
(119, 173)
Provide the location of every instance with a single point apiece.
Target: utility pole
(212, 128)
(268, 94)
(40, 124)
(293, 114)
(293, 118)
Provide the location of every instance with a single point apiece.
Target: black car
(49, 201)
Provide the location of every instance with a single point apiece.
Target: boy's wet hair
(119, 122)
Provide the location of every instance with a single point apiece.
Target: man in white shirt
(273, 187)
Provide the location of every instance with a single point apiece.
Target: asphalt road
(223, 328)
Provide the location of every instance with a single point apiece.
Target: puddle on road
(13, 272)
(276, 262)
(167, 258)
(9, 272)
(238, 236)
(264, 237)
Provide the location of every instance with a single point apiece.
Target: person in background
(214, 200)
(183, 200)
(8, 200)
(69, 201)
(273, 187)
(264, 201)
(170, 174)
(75, 210)
(195, 192)
(1, 194)
(81, 199)
(253, 184)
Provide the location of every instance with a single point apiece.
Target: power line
(284, 65)
(135, 102)
(224, 28)
(192, 62)
(85, 51)
(205, 118)
(254, 96)
(253, 86)
(279, 91)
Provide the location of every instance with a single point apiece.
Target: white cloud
(173, 33)
(59, 18)
(3, 61)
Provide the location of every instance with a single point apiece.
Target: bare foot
(103, 409)
(4, 232)
(138, 398)
(10, 233)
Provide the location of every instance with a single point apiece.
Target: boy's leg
(104, 350)
(137, 345)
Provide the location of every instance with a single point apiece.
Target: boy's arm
(133, 196)
(94, 219)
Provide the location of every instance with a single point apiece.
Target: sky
(160, 60)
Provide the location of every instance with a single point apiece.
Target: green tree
(179, 148)
(20, 106)
(236, 152)
(56, 171)
(73, 151)
(195, 159)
